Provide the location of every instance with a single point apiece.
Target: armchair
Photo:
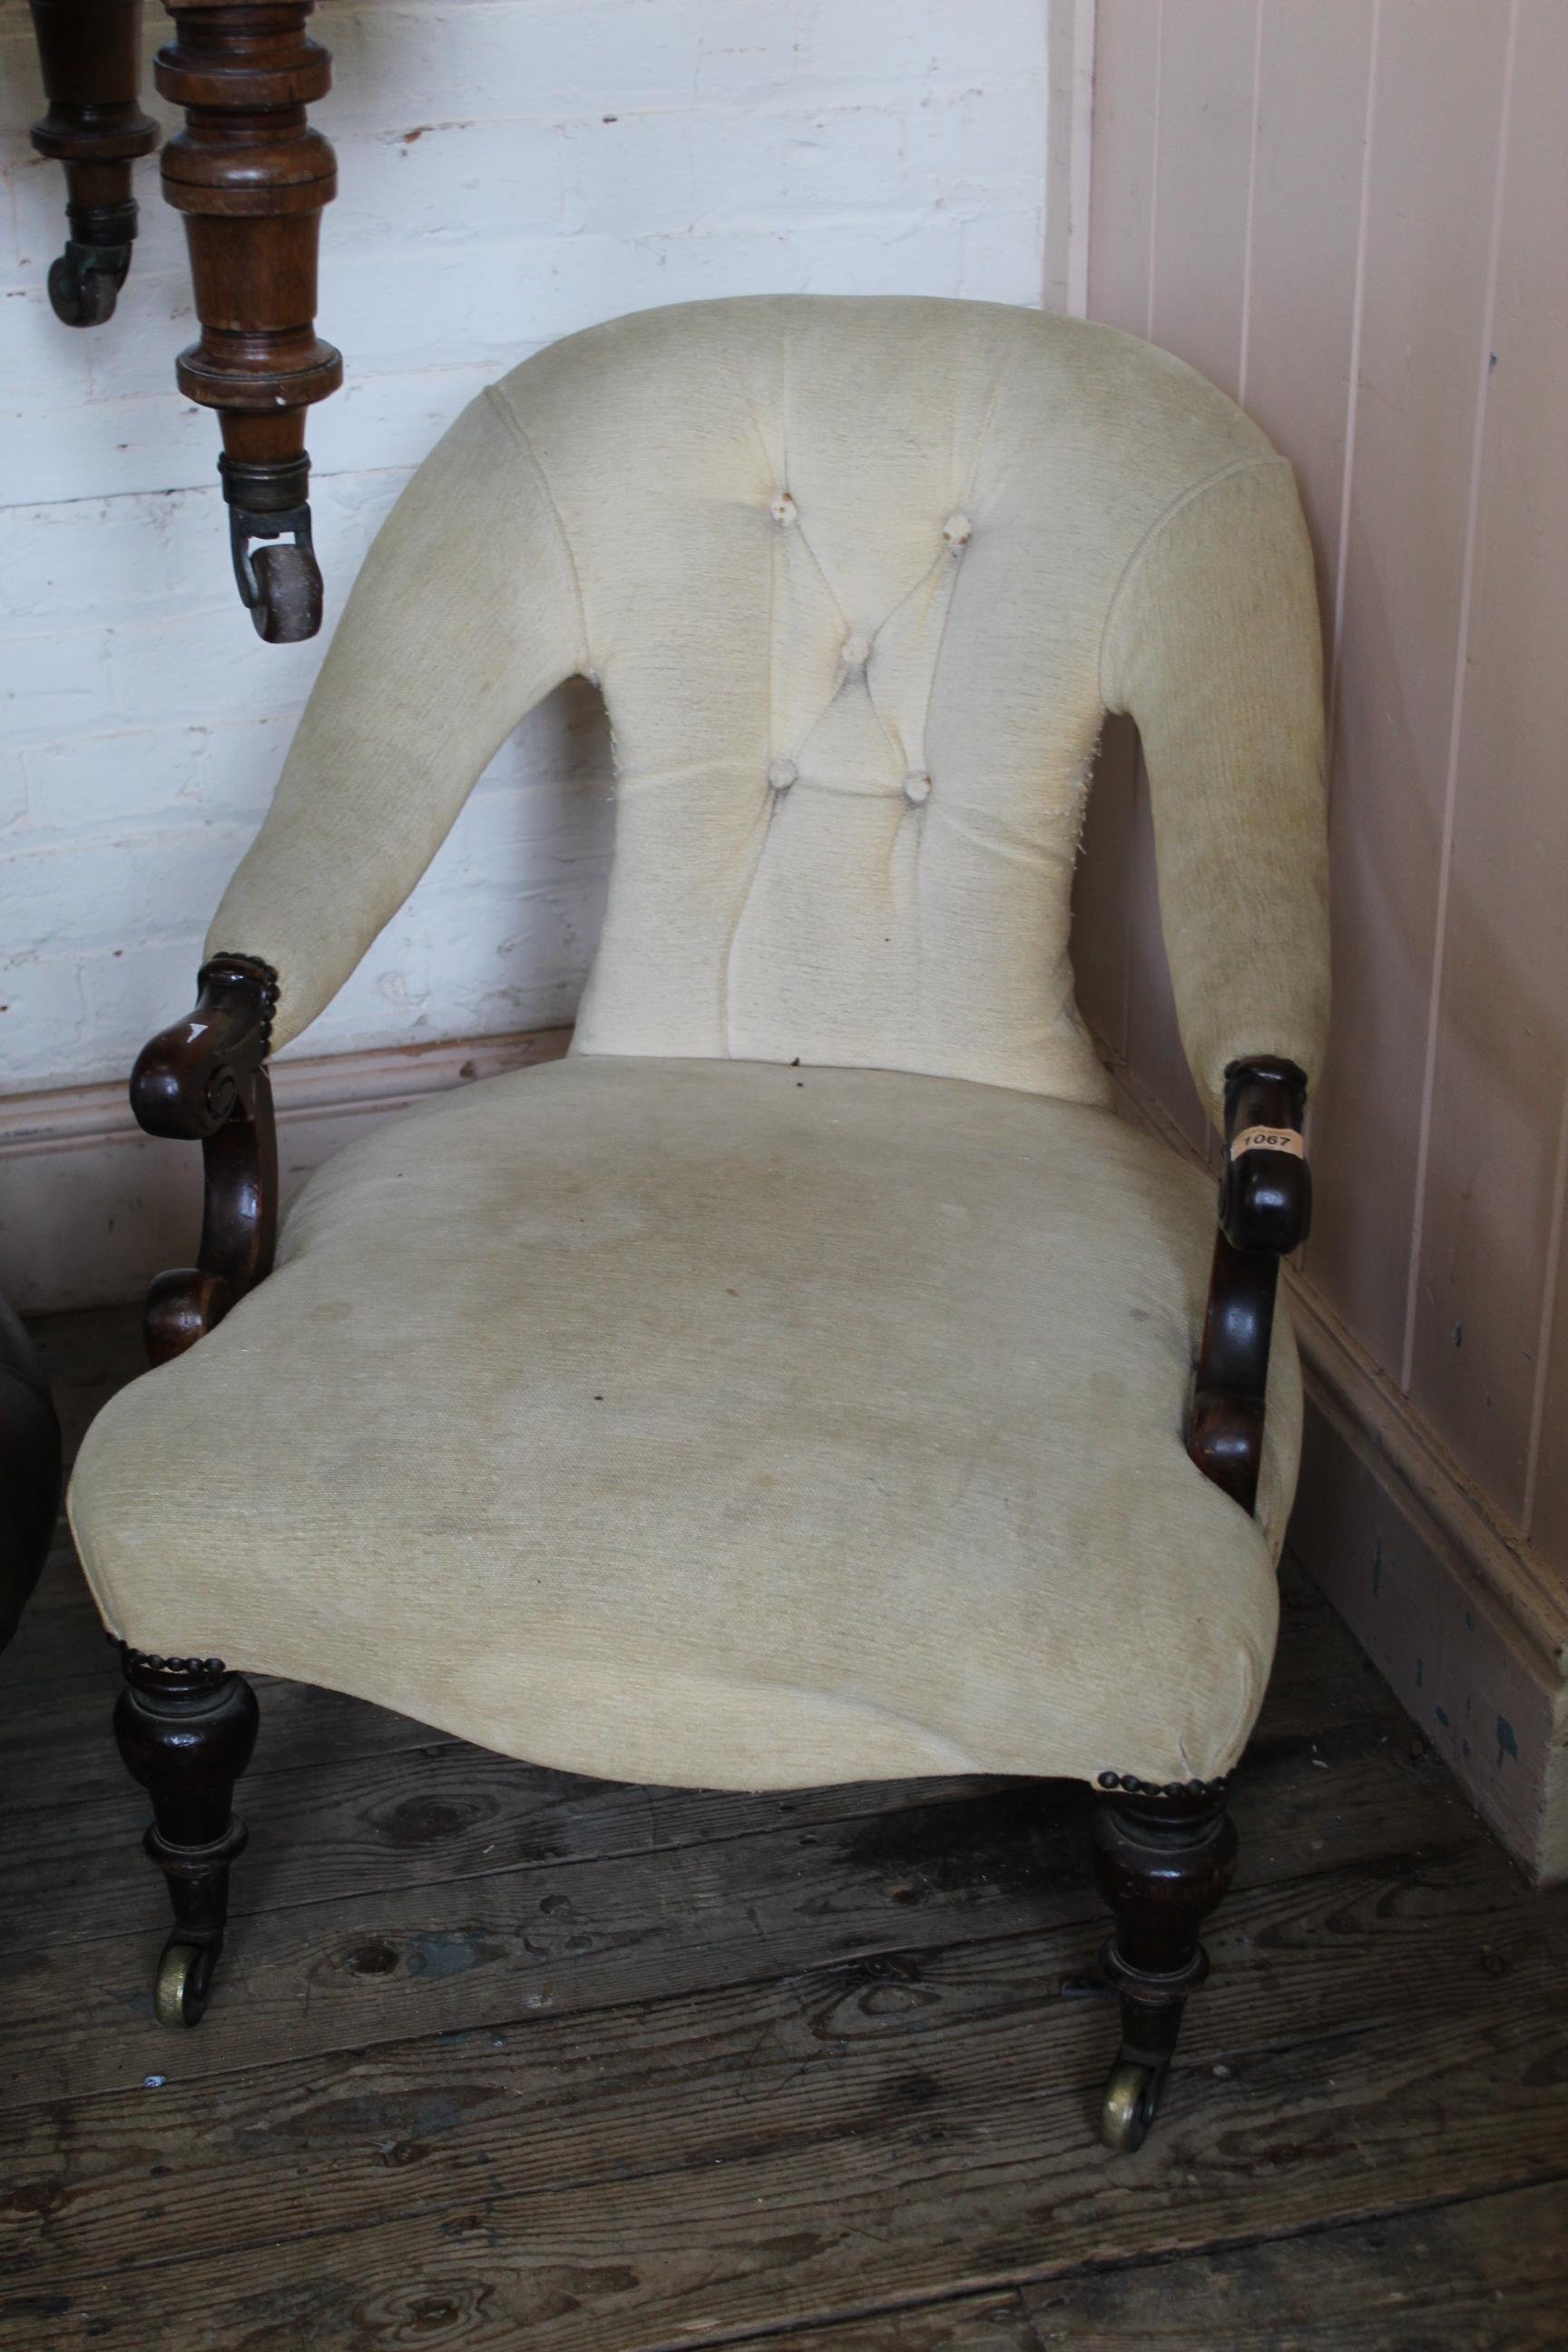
(810, 1378)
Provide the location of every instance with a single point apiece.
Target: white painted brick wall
(510, 170)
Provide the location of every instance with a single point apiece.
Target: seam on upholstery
(754, 419)
(726, 968)
(773, 560)
(677, 771)
(934, 567)
(1017, 853)
(852, 1704)
(1178, 505)
(922, 753)
(942, 571)
(981, 439)
(833, 596)
(886, 793)
(1245, 1715)
(495, 394)
(665, 1685)
(774, 542)
(900, 754)
(727, 964)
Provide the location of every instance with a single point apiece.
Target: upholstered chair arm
(1213, 646)
(205, 1080)
(466, 612)
(1265, 1210)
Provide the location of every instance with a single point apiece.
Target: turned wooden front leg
(187, 1730)
(1163, 1859)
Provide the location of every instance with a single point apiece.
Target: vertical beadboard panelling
(1203, 184)
(1314, 69)
(1069, 146)
(1126, 114)
(1128, 38)
(1501, 1010)
(1435, 134)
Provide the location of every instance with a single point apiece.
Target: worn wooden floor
(499, 2058)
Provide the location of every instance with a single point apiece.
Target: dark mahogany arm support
(205, 1080)
(1265, 1211)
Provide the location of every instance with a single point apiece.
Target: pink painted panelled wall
(1352, 215)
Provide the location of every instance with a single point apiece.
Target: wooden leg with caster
(90, 51)
(1163, 1858)
(187, 1730)
(251, 177)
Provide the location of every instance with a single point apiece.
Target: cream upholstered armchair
(796, 1384)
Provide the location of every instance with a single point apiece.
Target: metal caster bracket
(279, 584)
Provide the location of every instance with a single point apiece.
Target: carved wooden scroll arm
(90, 51)
(205, 1080)
(1265, 1211)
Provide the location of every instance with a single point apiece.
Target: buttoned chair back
(860, 581)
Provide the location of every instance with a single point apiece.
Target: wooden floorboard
(503, 2057)
(979, 2323)
(1482, 2274)
(675, 2084)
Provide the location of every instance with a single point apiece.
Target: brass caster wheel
(1131, 2097)
(184, 1980)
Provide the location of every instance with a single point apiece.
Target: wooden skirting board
(1470, 1628)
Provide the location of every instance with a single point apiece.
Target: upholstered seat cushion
(719, 1423)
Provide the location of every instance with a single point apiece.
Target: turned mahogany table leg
(90, 51)
(1163, 1859)
(187, 1728)
(251, 177)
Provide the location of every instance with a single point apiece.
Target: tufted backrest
(859, 578)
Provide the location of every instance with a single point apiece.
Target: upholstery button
(782, 774)
(956, 529)
(783, 508)
(856, 650)
(916, 787)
